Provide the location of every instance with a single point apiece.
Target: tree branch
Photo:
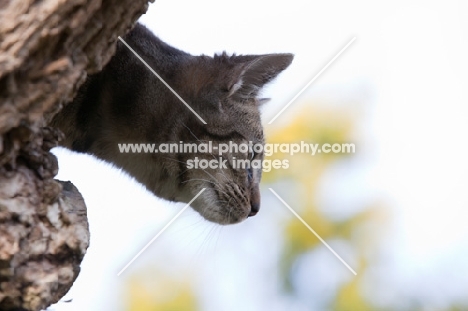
(47, 48)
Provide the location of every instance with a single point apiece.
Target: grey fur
(126, 103)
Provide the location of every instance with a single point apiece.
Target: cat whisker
(199, 251)
(230, 210)
(238, 194)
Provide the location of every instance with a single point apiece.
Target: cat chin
(209, 207)
(213, 215)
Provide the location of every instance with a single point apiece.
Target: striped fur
(126, 103)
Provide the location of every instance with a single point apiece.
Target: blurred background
(395, 210)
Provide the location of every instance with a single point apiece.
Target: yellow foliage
(349, 298)
(161, 293)
(311, 126)
(303, 176)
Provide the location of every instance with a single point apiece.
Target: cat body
(127, 103)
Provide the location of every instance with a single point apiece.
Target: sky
(404, 76)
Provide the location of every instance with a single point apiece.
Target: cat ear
(255, 72)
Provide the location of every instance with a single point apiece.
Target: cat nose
(254, 208)
(254, 201)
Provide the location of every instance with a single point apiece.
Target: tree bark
(47, 48)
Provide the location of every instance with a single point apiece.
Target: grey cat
(126, 103)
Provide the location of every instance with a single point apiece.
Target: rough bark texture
(43, 243)
(47, 47)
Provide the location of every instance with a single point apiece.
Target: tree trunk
(47, 48)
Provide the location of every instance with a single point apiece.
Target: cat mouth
(222, 208)
(226, 218)
(224, 214)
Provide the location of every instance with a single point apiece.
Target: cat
(127, 103)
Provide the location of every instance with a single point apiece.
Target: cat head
(224, 90)
(127, 103)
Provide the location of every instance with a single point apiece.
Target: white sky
(408, 62)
